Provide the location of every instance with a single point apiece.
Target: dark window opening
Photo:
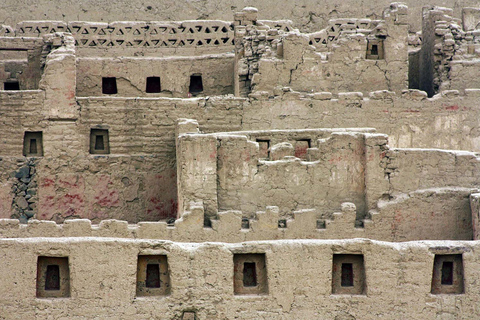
(99, 145)
(153, 276)
(33, 145)
(282, 223)
(52, 278)
(153, 85)
(109, 85)
(447, 272)
(196, 84)
(347, 275)
(321, 224)
(375, 49)
(249, 274)
(11, 85)
(245, 223)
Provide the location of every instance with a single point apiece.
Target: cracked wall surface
(310, 168)
(398, 280)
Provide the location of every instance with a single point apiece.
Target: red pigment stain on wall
(104, 196)
(213, 154)
(161, 196)
(61, 195)
(301, 151)
(452, 108)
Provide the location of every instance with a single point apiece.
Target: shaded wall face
(20, 66)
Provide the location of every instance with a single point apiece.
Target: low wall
(398, 280)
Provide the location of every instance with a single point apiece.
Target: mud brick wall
(410, 119)
(309, 16)
(174, 73)
(299, 279)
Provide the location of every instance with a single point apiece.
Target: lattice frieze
(132, 34)
(336, 26)
(281, 25)
(39, 28)
(6, 31)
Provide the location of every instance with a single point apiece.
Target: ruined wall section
(416, 169)
(308, 171)
(293, 170)
(20, 60)
(450, 50)
(349, 55)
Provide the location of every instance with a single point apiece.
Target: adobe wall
(410, 119)
(136, 182)
(446, 121)
(174, 73)
(308, 16)
(336, 59)
(299, 278)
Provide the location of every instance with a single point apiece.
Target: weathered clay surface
(103, 280)
(213, 169)
(309, 15)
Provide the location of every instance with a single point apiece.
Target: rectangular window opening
(33, 145)
(245, 223)
(52, 278)
(11, 85)
(196, 84)
(153, 276)
(109, 85)
(99, 143)
(447, 273)
(249, 274)
(153, 85)
(374, 50)
(347, 275)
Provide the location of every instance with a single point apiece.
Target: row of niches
(250, 275)
(33, 143)
(153, 85)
